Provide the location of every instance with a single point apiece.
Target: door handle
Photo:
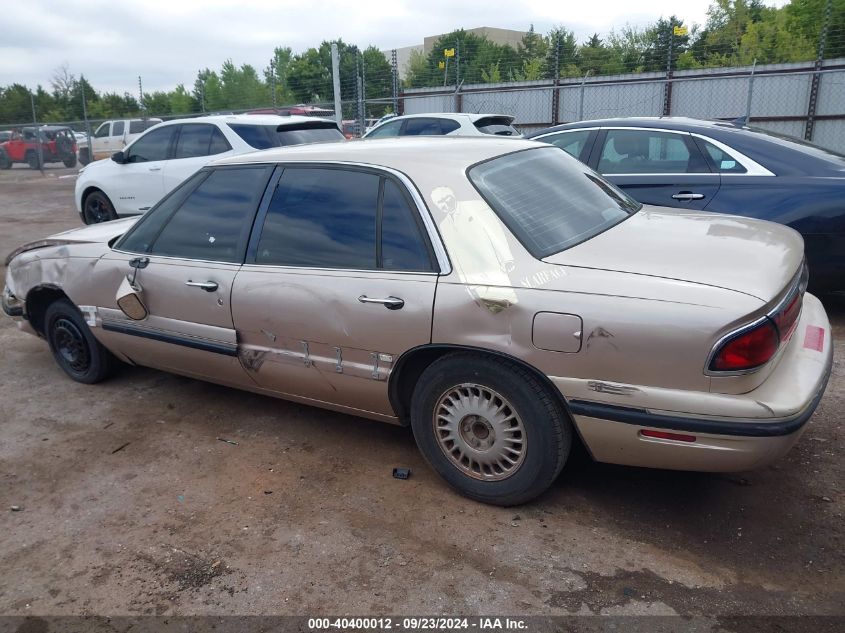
(391, 303)
(155, 168)
(208, 286)
(688, 195)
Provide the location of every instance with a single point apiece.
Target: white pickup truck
(113, 136)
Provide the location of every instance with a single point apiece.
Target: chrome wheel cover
(479, 432)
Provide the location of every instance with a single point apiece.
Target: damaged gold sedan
(497, 295)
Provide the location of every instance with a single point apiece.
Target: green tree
(561, 54)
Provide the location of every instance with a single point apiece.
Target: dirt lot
(131, 505)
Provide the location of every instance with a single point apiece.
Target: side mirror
(119, 157)
(128, 299)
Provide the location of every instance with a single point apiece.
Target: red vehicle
(58, 145)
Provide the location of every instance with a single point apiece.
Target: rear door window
(424, 127)
(197, 139)
(343, 219)
(324, 218)
(650, 152)
(117, 128)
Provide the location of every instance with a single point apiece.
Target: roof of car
(249, 119)
(398, 152)
(672, 122)
(472, 116)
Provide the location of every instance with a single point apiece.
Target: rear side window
(498, 125)
(214, 221)
(338, 218)
(267, 136)
(549, 201)
(428, 127)
(321, 218)
(722, 162)
(196, 139)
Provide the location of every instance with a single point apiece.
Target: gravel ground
(131, 505)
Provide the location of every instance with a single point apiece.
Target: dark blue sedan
(723, 167)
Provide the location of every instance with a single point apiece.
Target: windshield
(549, 200)
(267, 136)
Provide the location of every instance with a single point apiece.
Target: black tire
(537, 418)
(84, 156)
(96, 207)
(5, 163)
(70, 161)
(32, 160)
(75, 349)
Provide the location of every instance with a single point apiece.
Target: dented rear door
(339, 282)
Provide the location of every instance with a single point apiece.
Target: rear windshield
(549, 200)
(801, 145)
(266, 136)
(498, 125)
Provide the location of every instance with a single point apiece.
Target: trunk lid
(754, 257)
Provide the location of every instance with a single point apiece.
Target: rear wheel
(70, 161)
(490, 428)
(97, 208)
(84, 156)
(32, 160)
(75, 349)
(5, 162)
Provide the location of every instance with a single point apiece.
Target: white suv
(445, 124)
(161, 158)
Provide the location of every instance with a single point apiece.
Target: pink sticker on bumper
(814, 338)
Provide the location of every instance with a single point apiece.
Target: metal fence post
(814, 85)
(338, 107)
(37, 133)
(85, 118)
(273, 79)
(394, 67)
(667, 92)
(556, 88)
(581, 97)
(750, 92)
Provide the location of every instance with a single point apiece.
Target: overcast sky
(111, 42)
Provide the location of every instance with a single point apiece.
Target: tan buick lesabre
(495, 294)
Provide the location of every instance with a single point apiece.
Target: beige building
(507, 37)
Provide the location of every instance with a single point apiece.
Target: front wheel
(84, 156)
(97, 208)
(70, 161)
(490, 428)
(32, 160)
(75, 349)
(5, 162)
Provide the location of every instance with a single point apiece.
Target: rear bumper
(730, 432)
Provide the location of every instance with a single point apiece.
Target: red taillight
(748, 350)
(665, 435)
(787, 319)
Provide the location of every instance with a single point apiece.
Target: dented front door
(331, 336)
